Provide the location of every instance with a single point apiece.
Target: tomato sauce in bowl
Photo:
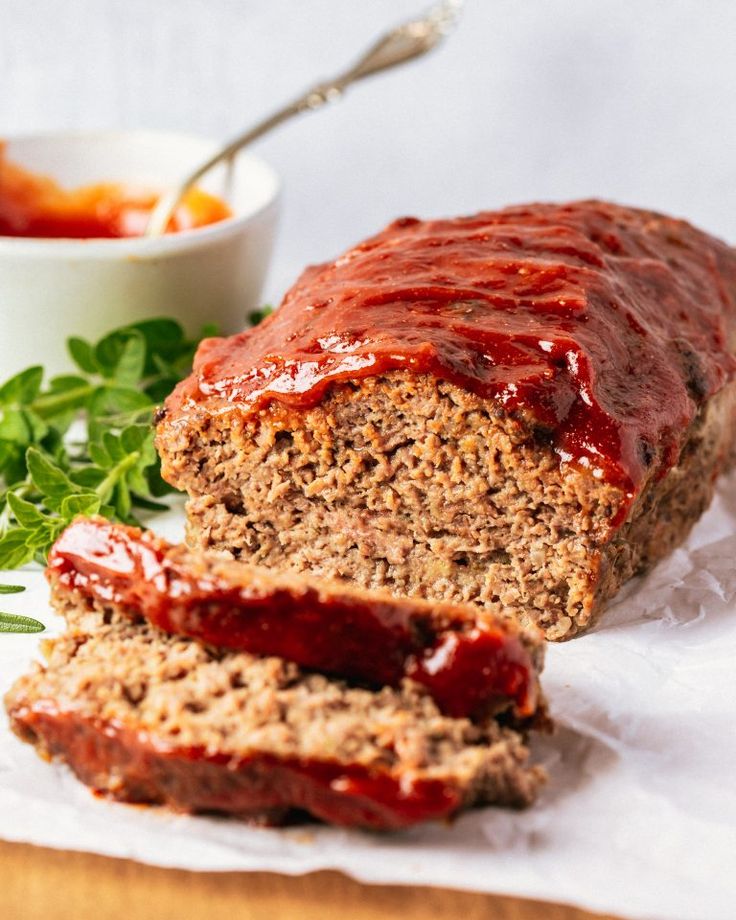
(36, 206)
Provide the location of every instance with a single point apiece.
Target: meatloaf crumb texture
(144, 717)
(408, 483)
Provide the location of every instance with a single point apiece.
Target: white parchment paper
(639, 817)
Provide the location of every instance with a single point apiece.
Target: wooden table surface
(38, 884)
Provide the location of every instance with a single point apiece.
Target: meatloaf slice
(471, 663)
(141, 716)
(520, 409)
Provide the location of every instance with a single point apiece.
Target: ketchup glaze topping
(471, 666)
(603, 326)
(147, 770)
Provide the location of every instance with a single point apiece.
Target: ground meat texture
(519, 409)
(144, 717)
(473, 664)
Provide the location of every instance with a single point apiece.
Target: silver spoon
(401, 44)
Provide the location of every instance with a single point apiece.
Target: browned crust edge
(667, 509)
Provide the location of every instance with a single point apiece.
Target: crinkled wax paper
(639, 816)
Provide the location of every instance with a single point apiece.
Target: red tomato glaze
(470, 666)
(261, 787)
(604, 326)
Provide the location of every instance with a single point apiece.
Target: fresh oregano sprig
(82, 443)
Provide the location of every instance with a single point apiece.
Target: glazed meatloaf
(145, 717)
(519, 409)
(471, 663)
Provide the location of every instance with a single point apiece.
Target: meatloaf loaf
(521, 409)
(471, 663)
(145, 717)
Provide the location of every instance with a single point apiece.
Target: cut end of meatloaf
(401, 482)
(472, 663)
(143, 717)
(409, 484)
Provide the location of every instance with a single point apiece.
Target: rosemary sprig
(13, 623)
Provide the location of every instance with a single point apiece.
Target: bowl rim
(139, 246)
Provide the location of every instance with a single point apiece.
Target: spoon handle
(398, 46)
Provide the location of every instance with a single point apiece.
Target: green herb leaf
(110, 401)
(132, 360)
(86, 503)
(164, 340)
(257, 316)
(88, 477)
(83, 355)
(12, 589)
(26, 513)
(21, 388)
(48, 477)
(14, 427)
(11, 623)
(15, 549)
(66, 382)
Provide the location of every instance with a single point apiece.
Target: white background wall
(531, 99)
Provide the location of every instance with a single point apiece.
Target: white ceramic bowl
(51, 289)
